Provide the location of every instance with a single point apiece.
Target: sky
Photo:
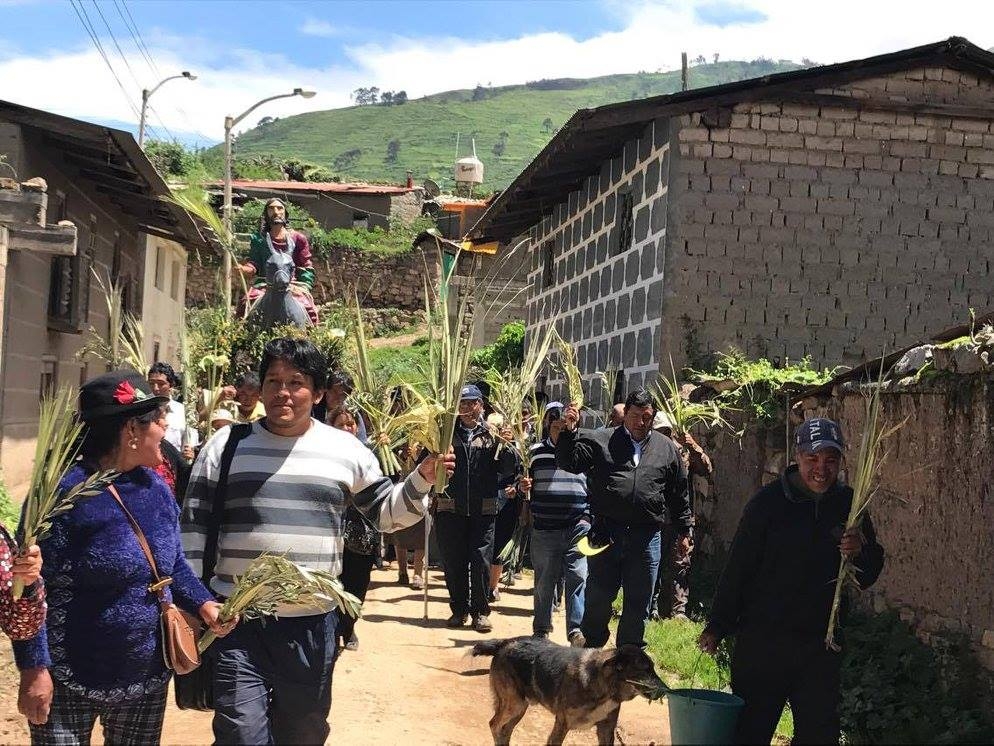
(90, 59)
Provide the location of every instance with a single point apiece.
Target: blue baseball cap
(471, 393)
(817, 433)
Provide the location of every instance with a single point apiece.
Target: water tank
(469, 171)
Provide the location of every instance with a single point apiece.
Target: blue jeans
(631, 563)
(272, 681)
(554, 556)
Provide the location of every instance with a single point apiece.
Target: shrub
(507, 351)
(10, 514)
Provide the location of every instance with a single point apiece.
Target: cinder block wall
(608, 297)
(831, 231)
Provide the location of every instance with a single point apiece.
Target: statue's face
(276, 213)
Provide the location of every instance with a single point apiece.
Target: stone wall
(934, 516)
(871, 226)
(382, 281)
(608, 295)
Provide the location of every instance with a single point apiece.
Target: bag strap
(158, 587)
(236, 433)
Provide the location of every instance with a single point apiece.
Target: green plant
(683, 414)
(757, 386)
(897, 689)
(124, 346)
(505, 352)
(10, 514)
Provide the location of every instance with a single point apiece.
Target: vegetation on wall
(505, 352)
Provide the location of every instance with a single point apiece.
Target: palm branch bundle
(372, 396)
(864, 486)
(511, 389)
(214, 366)
(570, 371)
(450, 342)
(56, 450)
(513, 553)
(608, 379)
(270, 581)
(682, 413)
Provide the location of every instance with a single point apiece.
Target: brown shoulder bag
(179, 641)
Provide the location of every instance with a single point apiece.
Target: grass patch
(10, 514)
(672, 644)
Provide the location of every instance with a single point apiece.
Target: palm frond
(271, 581)
(871, 458)
(571, 373)
(684, 414)
(124, 346)
(56, 450)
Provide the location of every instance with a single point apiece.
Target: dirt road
(411, 683)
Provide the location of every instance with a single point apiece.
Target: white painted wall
(164, 293)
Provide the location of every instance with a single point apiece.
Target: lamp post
(229, 124)
(147, 94)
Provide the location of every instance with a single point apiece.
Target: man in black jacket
(467, 510)
(775, 593)
(637, 484)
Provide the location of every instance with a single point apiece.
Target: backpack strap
(237, 432)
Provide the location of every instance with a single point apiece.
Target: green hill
(353, 142)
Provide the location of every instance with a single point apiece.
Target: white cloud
(77, 83)
(315, 27)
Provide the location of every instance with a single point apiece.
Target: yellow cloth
(257, 414)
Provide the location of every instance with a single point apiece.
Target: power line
(141, 41)
(142, 47)
(127, 64)
(134, 37)
(84, 19)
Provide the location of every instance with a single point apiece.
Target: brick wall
(832, 231)
(608, 296)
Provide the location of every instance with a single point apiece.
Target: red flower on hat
(125, 393)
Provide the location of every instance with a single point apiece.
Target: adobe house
(832, 212)
(94, 208)
(338, 205)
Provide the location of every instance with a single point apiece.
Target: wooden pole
(683, 71)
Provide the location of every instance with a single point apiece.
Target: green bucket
(702, 716)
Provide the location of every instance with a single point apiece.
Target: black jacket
(781, 569)
(480, 470)
(652, 493)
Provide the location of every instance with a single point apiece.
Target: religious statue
(280, 262)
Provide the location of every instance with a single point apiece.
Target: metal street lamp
(229, 124)
(147, 94)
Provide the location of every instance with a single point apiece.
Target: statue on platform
(279, 260)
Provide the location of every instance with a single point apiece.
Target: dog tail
(490, 647)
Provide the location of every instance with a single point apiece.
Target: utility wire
(141, 40)
(135, 36)
(84, 19)
(127, 64)
(142, 47)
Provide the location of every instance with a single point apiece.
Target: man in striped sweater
(289, 481)
(560, 515)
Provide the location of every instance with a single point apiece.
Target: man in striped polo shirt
(559, 513)
(289, 481)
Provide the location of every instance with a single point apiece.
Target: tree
(547, 124)
(264, 121)
(700, 60)
(169, 158)
(386, 97)
(479, 93)
(501, 145)
(345, 161)
(400, 97)
(366, 96)
(393, 149)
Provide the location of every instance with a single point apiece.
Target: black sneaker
(353, 643)
(457, 620)
(540, 635)
(576, 639)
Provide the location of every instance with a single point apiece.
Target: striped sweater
(288, 495)
(558, 498)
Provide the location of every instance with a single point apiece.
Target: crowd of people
(286, 469)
